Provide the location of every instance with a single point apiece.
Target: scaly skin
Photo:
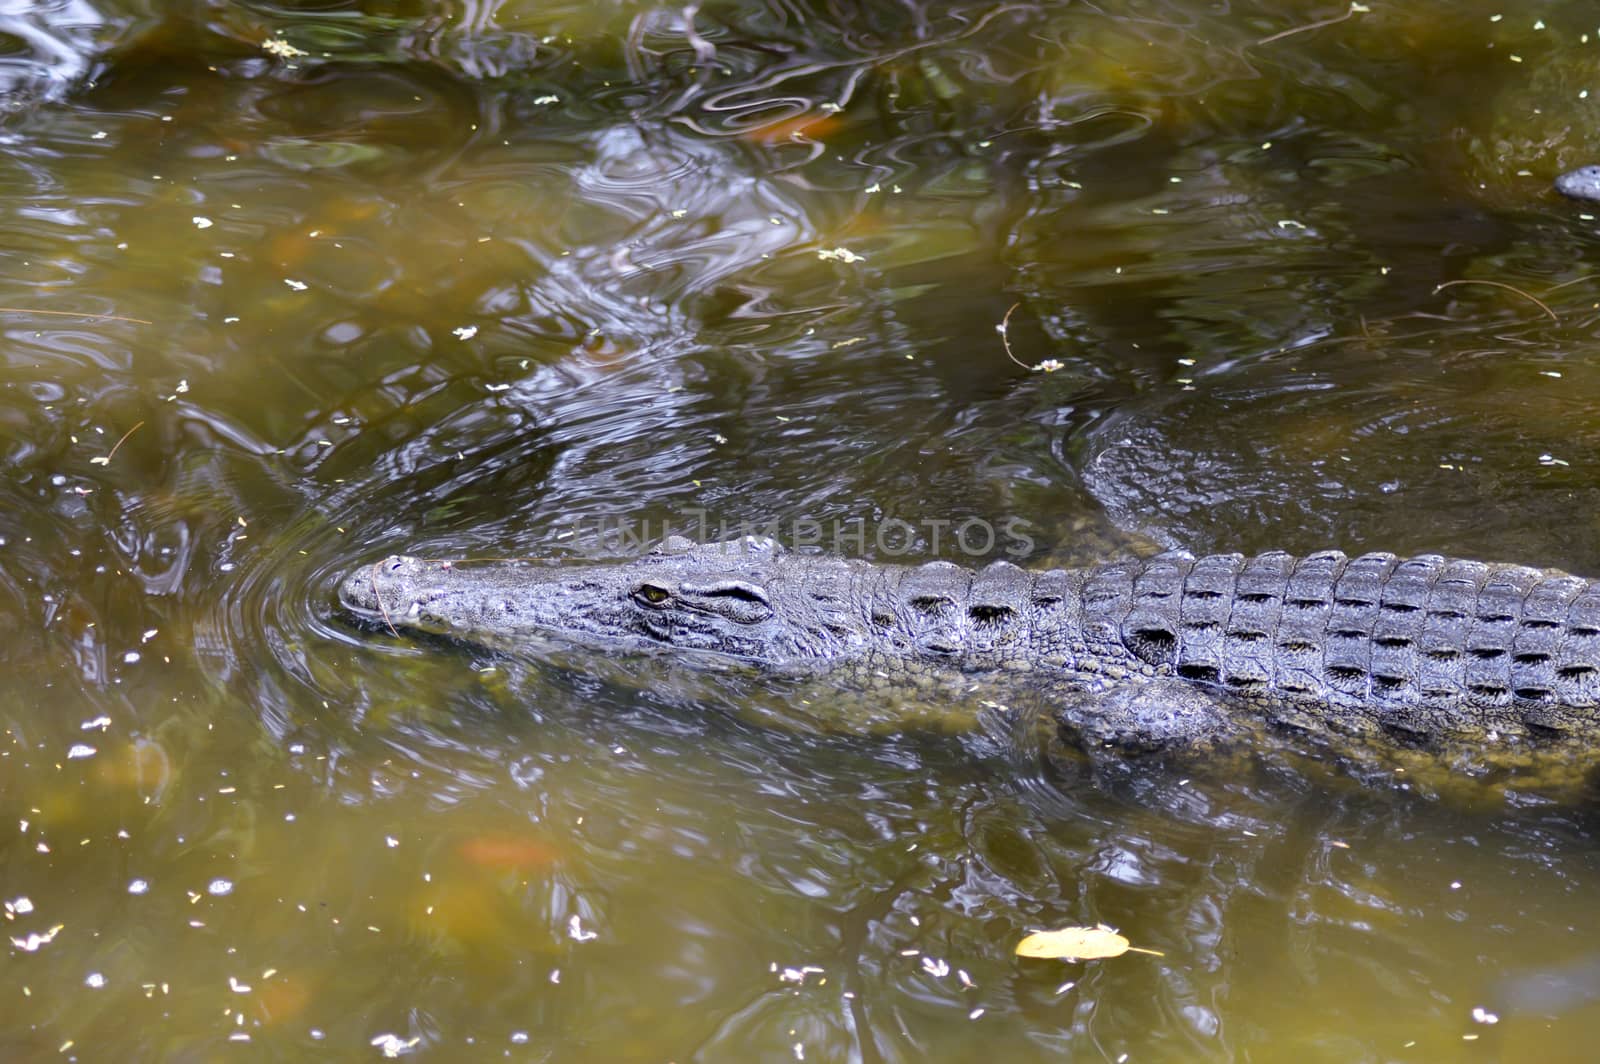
(1170, 648)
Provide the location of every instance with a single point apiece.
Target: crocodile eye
(654, 594)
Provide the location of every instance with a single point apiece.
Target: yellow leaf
(1078, 944)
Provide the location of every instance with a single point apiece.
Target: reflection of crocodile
(1138, 653)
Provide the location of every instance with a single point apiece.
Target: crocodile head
(716, 597)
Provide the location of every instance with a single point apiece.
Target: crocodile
(1144, 653)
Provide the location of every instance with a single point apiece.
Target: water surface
(289, 287)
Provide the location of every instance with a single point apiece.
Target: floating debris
(1079, 944)
(281, 48)
(392, 1045)
(105, 459)
(31, 942)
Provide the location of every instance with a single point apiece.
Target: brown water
(480, 279)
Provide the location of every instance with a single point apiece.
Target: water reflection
(47, 48)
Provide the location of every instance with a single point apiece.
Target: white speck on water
(1483, 1015)
(139, 886)
(975, 1013)
(94, 981)
(219, 887)
(20, 905)
(298, 286)
(519, 1037)
(936, 967)
(576, 932)
(546, 99)
(131, 657)
(149, 634)
(98, 134)
(390, 841)
(79, 751)
(102, 722)
(237, 987)
(393, 1045)
(465, 332)
(497, 387)
(201, 222)
(34, 940)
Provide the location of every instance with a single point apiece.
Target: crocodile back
(1411, 644)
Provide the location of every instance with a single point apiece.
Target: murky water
(466, 278)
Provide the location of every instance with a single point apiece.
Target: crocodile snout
(373, 589)
(358, 591)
